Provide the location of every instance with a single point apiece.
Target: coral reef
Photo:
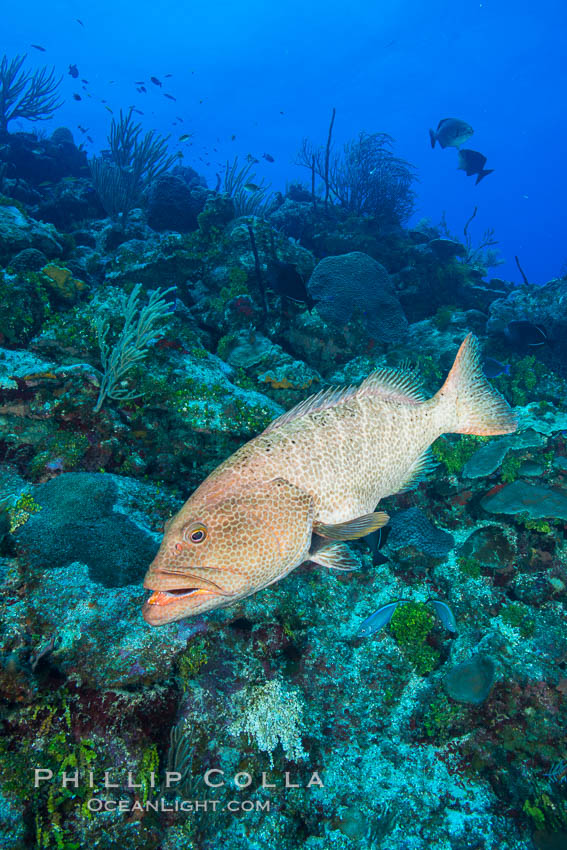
(144, 337)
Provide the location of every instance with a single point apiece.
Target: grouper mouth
(165, 597)
(169, 602)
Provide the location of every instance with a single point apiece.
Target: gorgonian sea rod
(311, 480)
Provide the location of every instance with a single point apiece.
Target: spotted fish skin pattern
(329, 460)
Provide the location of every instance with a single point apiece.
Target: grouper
(310, 481)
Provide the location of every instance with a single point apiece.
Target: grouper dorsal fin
(401, 385)
(394, 385)
(320, 401)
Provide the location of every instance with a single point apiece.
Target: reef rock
(535, 500)
(544, 305)
(37, 161)
(172, 205)
(472, 680)
(80, 519)
(490, 547)
(17, 232)
(488, 458)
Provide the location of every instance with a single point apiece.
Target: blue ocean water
(269, 74)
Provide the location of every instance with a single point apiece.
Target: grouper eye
(196, 532)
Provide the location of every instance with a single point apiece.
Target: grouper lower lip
(165, 606)
(176, 593)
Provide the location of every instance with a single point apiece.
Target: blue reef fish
(493, 368)
(379, 618)
(445, 614)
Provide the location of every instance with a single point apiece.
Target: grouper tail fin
(467, 403)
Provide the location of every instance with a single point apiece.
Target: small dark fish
(86, 82)
(179, 118)
(379, 619)
(73, 71)
(77, 96)
(445, 614)
(451, 133)
(287, 281)
(268, 157)
(526, 334)
(251, 187)
(90, 139)
(141, 90)
(155, 81)
(375, 541)
(168, 75)
(185, 136)
(139, 82)
(493, 368)
(137, 111)
(79, 21)
(108, 109)
(473, 162)
(38, 47)
(82, 129)
(169, 96)
(232, 138)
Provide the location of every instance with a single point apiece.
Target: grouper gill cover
(283, 426)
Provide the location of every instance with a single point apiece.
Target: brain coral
(340, 285)
(413, 528)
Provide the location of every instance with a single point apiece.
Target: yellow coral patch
(62, 283)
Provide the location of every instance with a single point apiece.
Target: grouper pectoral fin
(337, 556)
(359, 527)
